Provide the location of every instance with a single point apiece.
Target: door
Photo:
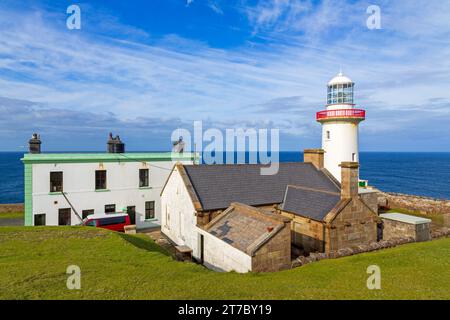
(132, 214)
(64, 217)
(202, 248)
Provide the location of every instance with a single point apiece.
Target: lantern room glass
(340, 93)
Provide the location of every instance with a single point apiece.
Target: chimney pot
(35, 144)
(115, 145)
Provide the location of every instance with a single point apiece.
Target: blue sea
(425, 174)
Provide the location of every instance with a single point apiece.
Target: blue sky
(144, 68)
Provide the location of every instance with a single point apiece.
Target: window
(341, 93)
(56, 181)
(353, 157)
(64, 218)
(86, 213)
(143, 178)
(149, 210)
(328, 135)
(100, 179)
(39, 219)
(110, 208)
(111, 221)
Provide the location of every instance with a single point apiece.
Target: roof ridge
(244, 164)
(260, 213)
(312, 189)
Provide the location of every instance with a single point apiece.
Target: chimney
(120, 146)
(349, 179)
(35, 144)
(115, 145)
(110, 143)
(315, 156)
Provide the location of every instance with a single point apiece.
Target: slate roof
(219, 185)
(246, 228)
(310, 203)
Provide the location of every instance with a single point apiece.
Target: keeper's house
(58, 186)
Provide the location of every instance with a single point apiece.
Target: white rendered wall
(342, 145)
(178, 220)
(220, 256)
(79, 187)
(179, 223)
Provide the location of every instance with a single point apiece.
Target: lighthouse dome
(340, 79)
(340, 90)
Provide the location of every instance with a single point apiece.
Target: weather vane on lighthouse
(340, 123)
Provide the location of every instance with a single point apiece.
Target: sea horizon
(423, 173)
(281, 151)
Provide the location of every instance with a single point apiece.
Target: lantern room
(340, 90)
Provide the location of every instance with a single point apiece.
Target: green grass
(33, 264)
(13, 215)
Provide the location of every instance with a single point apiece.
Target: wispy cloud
(214, 5)
(116, 74)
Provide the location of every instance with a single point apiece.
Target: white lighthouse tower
(340, 125)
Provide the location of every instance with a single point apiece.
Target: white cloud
(279, 81)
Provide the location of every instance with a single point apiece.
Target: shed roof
(246, 228)
(219, 185)
(310, 203)
(405, 218)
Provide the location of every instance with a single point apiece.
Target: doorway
(131, 211)
(64, 217)
(202, 248)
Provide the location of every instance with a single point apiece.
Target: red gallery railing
(341, 113)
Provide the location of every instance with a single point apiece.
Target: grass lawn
(13, 215)
(33, 264)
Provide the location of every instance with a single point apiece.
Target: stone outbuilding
(245, 238)
(396, 225)
(324, 221)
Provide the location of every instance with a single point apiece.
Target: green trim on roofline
(28, 193)
(106, 157)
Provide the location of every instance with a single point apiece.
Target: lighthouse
(340, 123)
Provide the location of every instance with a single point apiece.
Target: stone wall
(371, 200)
(423, 205)
(307, 234)
(275, 255)
(447, 219)
(373, 246)
(11, 208)
(419, 232)
(355, 225)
